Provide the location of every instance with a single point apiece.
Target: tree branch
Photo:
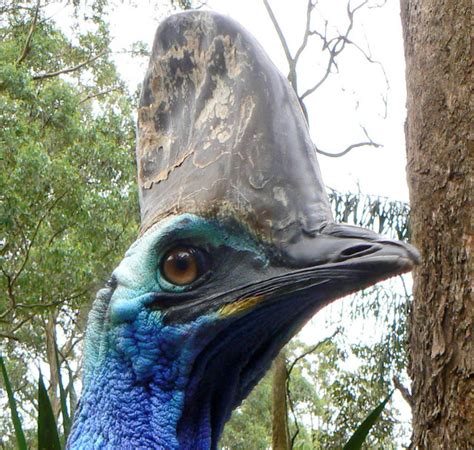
(334, 46)
(288, 379)
(40, 305)
(98, 94)
(403, 390)
(348, 149)
(43, 76)
(281, 36)
(368, 143)
(311, 350)
(11, 294)
(307, 32)
(35, 233)
(9, 336)
(27, 46)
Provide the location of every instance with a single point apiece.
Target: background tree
(68, 207)
(440, 160)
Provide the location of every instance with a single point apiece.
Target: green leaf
(20, 436)
(359, 436)
(48, 438)
(62, 395)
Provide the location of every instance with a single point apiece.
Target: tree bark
(440, 161)
(50, 337)
(280, 435)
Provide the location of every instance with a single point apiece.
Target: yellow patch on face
(240, 306)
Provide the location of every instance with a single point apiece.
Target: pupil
(182, 261)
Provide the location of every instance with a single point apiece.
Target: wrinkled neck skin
(135, 397)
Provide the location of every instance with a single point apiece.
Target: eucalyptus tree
(67, 197)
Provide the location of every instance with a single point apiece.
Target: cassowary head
(238, 247)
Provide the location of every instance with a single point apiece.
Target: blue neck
(117, 412)
(134, 396)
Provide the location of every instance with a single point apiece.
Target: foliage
(68, 205)
(48, 437)
(328, 402)
(19, 434)
(251, 422)
(358, 438)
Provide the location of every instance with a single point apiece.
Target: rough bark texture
(437, 49)
(280, 435)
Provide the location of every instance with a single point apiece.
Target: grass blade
(360, 435)
(48, 438)
(62, 396)
(20, 436)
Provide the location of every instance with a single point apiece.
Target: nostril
(358, 250)
(355, 249)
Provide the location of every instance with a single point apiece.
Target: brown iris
(182, 265)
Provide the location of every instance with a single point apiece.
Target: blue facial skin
(141, 388)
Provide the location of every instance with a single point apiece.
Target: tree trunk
(280, 436)
(50, 334)
(437, 51)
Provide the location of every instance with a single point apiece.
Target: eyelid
(180, 238)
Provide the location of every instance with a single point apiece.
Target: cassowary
(237, 249)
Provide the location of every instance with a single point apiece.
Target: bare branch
(335, 46)
(351, 13)
(43, 76)
(292, 77)
(33, 237)
(322, 80)
(348, 149)
(368, 57)
(98, 94)
(368, 143)
(378, 5)
(403, 390)
(288, 379)
(307, 32)
(27, 46)
(279, 32)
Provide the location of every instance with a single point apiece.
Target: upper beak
(341, 242)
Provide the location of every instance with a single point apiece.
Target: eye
(184, 265)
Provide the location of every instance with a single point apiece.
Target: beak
(319, 269)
